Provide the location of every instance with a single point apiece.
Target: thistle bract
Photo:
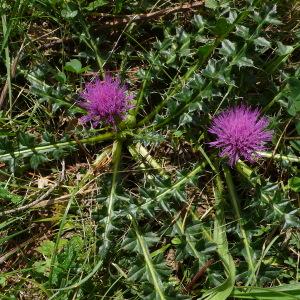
(240, 132)
(106, 100)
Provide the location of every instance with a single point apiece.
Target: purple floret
(240, 133)
(105, 100)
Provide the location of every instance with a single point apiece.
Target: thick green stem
(288, 158)
(117, 152)
(47, 148)
(8, 65)
(236, 207)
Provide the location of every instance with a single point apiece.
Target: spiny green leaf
(36, 159)
(210, 70)
(26, 139)
(6, 144)
(262, 44)
(213, 4)
(137, 273)
(6, 195)
(68, 13)
(294, 184)
(293, 93)
(284, 49)
(95, 4)
(292, 220)
(199, 21)
(242, 31)
(185, 119)
(244, 62)
(228, 48)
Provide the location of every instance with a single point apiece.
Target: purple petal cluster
(105, 100)
(240, 132)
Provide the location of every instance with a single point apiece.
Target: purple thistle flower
(240, 133)
(105, 100)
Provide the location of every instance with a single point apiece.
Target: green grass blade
(283, 292)
(8, 65)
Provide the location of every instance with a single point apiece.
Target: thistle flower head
(105, 100)
(240, 132)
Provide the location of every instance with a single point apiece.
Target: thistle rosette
(240, 132)
(107, 100)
